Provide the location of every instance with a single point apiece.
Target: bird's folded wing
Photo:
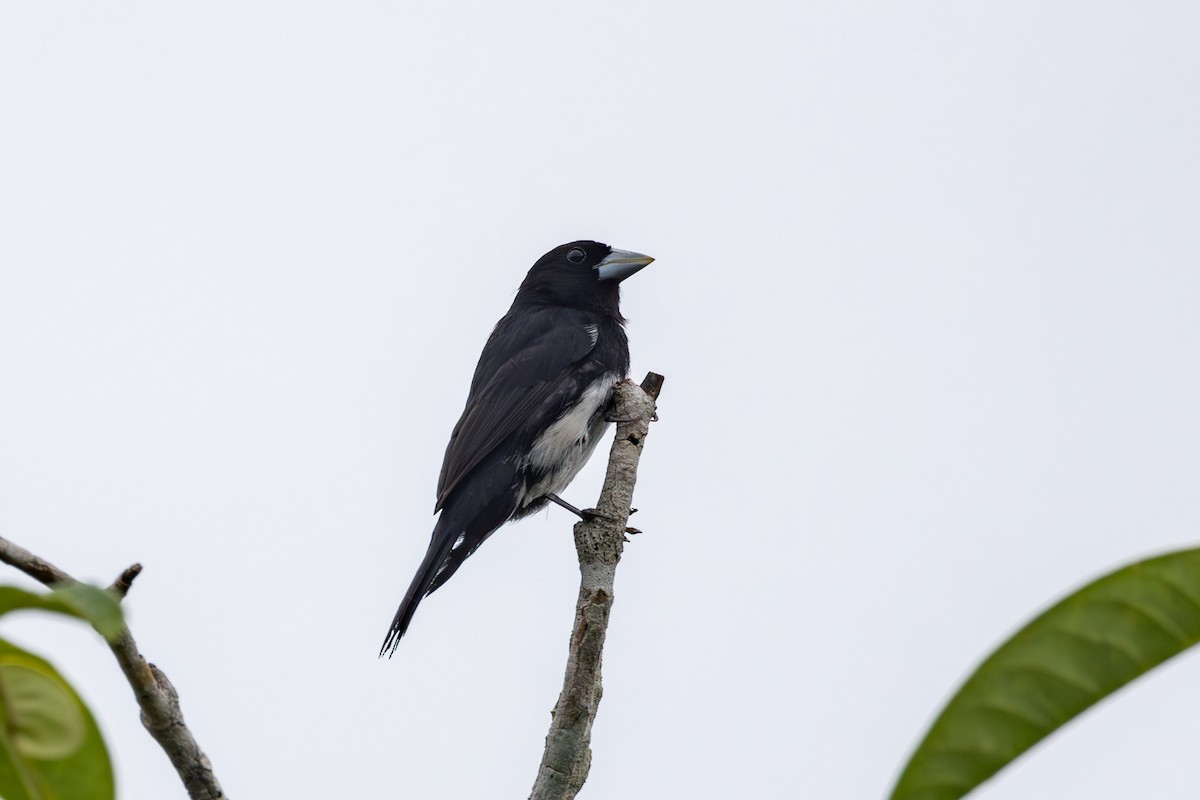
(535, 379)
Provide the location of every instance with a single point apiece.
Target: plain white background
(926, 300)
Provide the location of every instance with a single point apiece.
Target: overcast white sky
(926, 301)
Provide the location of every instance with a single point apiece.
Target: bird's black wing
(524, 370)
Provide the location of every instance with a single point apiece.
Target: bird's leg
(586, 514)
(583, 515)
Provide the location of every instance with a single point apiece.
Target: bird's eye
(576, 256)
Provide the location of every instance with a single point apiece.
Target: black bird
(537, 407)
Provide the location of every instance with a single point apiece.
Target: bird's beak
(620, 264)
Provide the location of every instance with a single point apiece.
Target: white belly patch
(568, 443)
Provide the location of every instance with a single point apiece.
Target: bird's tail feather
(467, 519)
(439, 549)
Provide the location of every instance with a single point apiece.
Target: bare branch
(599, 542)
(155, 695)
(31, 565)
(124, 582)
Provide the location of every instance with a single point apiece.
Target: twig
(599, 542)
(124, 582)
(155, 695)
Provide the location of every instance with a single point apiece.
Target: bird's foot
(594, 513)
(611, 418)
(587, 514)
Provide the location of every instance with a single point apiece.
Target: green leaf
(50, 747)
(96, 605)
(1070, 657)
(90, 603)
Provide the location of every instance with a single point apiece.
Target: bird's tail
(440, 546)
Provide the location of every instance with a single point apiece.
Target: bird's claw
(589, 514)
(611, 418)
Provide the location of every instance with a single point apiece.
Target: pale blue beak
(620, 264)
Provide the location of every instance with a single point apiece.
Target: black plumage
(536, 408)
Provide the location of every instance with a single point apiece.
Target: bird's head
(581, 274)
